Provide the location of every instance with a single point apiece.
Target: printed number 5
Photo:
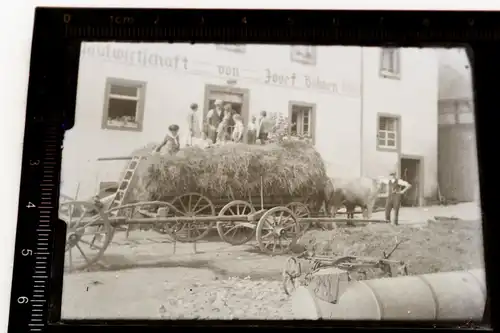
(34, 162)
(30, 205)
(22, 300)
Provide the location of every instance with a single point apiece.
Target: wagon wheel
(88, 234)
(277, 230)
(235, 233)
(301, 211)
(192, 205)
(155, 210)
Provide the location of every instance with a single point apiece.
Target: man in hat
(213, 119)
(171, 141)
(396, 188)
(193, 124)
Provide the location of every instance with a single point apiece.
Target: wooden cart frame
(189, 217)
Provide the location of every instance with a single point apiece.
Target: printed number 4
(30, 205)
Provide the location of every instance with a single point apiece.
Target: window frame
(385, 73)
(312, 117)
(397, 132)
(141, 99)
(235, 48)
(301, 60)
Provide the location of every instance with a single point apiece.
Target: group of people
(221, 125)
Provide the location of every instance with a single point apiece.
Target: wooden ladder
(121, 193)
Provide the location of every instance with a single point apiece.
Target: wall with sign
(176, 75)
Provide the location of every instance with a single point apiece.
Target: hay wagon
(275, 222)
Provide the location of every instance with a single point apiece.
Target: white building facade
(369, 111)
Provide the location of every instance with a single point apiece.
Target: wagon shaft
(181, 219)
(331, 219)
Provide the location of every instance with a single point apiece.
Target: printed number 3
(34, 162)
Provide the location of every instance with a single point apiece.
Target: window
(124, 105)
(390, 62)
(239, 48)
(387, 132)
(301, 121)
(304, 54)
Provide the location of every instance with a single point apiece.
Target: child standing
(239, 128)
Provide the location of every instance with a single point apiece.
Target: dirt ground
(144, 279)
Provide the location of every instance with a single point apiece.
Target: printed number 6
(23, 300)
(35, 162)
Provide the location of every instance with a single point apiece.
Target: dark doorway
(410, 172)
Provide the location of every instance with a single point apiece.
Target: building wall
(170, 91)
(333, 85)
(412, 98)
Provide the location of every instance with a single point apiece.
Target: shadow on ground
(120, 263)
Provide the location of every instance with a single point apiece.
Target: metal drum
(441, 296)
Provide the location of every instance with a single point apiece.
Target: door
(410, 172)
(238, 98)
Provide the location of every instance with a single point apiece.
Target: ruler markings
(43, 234)
(42, 253)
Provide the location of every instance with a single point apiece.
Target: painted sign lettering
(317, 83)
(228, 71)
(279, 78)
(137, 57)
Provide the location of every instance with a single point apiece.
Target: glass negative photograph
(214, 181)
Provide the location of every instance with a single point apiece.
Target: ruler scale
(38, 194)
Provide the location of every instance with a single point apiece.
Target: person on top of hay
(239, 128)
(263, 128)
(222, 129)
(171, 141)
(213, 119)
(194, 131)
(252, 131)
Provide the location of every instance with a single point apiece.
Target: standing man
(229, 112)
(171, 141)
(194, 130)
(213, 119)
(396, 188)
(262, 128)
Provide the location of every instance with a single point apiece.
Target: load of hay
(236, 171)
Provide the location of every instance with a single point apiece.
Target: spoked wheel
(192, 205)
(155, 210)
(237, 232)
(277, 230)
(301, 211)
(88, 234)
